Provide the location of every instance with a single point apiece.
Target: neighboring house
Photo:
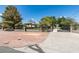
(31, 24)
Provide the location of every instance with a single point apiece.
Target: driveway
(56, 42)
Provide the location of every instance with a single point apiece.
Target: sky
(36, 12)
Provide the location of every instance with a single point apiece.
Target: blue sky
(36, 12)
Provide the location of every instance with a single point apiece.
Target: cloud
(0, 14)
(0, 17)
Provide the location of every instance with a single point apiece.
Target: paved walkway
(56, 42)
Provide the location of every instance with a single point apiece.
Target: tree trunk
(13, 27)
(70, 28)
(52, 27)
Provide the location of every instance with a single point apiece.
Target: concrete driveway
(61, 42)
(57, 42)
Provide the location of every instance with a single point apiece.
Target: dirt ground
(20, 39)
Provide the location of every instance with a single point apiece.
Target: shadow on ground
(36, 48)
(8, 50)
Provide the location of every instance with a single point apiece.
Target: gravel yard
(20, 39)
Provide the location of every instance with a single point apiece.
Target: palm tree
(47, 22)
(70, 22)
(66, 23)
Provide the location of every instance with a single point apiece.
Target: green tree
(66, 23)
(11, 18)
(47, 22)
(0, 25)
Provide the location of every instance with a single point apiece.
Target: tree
(47, 22)
(11, 18)
(0, 25)
(73, 24)
(66, 23)
(54, 22)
